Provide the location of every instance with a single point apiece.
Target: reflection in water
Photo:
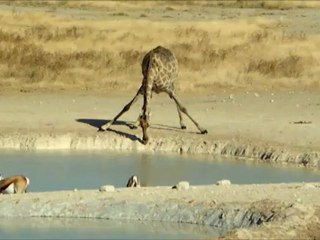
(68, 228)
(144, 169)
(58, 170)
(148, 170)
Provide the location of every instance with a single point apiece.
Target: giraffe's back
(163, 69)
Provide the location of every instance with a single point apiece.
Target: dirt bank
(292, 210)
(277, 127)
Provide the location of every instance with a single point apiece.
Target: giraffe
(160, 71)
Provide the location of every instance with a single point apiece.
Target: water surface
(68, 228)
(58, 170)
(67, 170)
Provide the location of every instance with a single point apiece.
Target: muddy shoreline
(257, 208)
(176, 145)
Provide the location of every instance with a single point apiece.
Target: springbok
(133, 181)
(14, 184)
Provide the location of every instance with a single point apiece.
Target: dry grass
(169, 4)
(43, 49)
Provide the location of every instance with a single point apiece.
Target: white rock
(183, 185)
(309, 185)
(223, 182)
(257, 94)
(107, 188)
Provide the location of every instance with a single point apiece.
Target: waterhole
(58, 170)
(75, 228)
(54, 171)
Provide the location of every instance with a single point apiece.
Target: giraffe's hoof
(204, 131)
(183, 127)
(101, 129)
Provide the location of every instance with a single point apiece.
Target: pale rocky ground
(260, 125)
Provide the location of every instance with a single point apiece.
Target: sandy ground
(269, 117)
(282, 121)
(287, 119)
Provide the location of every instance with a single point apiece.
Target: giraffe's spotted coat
(160, 71)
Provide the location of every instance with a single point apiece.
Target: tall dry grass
(43, 49)
(168, 4)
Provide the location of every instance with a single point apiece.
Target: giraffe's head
(144, 125)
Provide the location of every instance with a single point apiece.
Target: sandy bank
(249, 125)
(289, 209)
(179, 145)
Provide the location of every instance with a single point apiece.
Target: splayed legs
(184, 110)
(125, 109)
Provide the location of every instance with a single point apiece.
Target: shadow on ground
(98, 123)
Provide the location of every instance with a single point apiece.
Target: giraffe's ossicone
(160, 71)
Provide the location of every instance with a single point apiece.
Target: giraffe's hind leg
(182, 125)
(184, 110)
(125, 109)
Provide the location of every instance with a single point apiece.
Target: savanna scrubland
(99, 45)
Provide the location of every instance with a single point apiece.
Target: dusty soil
(271, 126)
(238, 123)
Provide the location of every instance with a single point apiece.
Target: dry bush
(169, 5)
(43, 49)
(290, 66)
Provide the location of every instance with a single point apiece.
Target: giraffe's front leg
(136, 124)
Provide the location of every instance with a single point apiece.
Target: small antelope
(14, 184)
(133, 181)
